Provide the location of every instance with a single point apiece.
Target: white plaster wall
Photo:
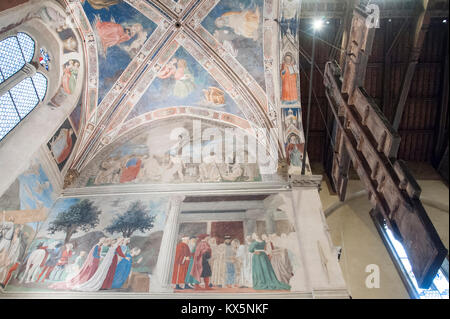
(323, 275)
(352, 228)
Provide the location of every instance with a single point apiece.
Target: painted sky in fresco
(117, 58)
(189, 91)
(248, 50)
(110, 207)
(35, 189)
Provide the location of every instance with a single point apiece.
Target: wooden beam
(442, 120)
(347, 25)
(420, 30)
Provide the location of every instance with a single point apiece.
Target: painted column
(252, 216)
(161, 278)
(270, 223)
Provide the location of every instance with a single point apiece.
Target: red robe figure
(112, 34)
(131, 170)
(112, 269)
(289, 92)
(181, 263)
(201, 267)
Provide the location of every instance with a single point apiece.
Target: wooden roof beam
(421, 25)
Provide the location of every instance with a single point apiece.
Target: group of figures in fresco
(151, 168)
(172, 167)
(106, 266)
(261, 263)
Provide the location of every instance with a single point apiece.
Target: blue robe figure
(122, 272)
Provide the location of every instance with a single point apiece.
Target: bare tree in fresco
(137, 217)
(80, 216)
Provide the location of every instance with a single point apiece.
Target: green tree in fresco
(137, 217)
(81, 216)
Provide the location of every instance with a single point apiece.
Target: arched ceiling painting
(151, 60)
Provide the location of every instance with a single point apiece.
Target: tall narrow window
(19, 100)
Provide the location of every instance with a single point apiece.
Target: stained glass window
(18, 102)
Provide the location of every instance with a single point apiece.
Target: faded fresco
(112, 244)
(154, 156)
(184, 82)
(238, 26)
(23, 206)
(294, 136)
(247, 254)
(120, 31)
(71, 66)
(62, 143)
(93, 245)
(75, 117)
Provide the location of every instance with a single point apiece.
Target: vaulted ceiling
(222, 51)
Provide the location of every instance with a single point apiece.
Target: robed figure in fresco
(112, 34)
(243, 23)
(181, 263)
(190, 281)
(124, 268)
(86, 272)
(61, 145)
(264, 277)
(294, 151)
(201, 267)
(108, 281)
(289, 72)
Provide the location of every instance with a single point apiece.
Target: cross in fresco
(180, 25)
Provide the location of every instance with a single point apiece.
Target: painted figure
(217, 261)
(7, 233)
(112, 34)
(12, 259)
(95, 283)
(75, 268)
(264, 277)
(181, 263)
(201, 267)
(131, 170)
(88, 269)
(243, 23)
(294, 151)
(244, 257)
(52, 261)
(280, 262)
(185, 83)
(190, 281)
(230, 259)
(70, 75)
(34, 262)
(124, 268)
(289, 73)
(63, 261)
(61, 145)
(107, 283)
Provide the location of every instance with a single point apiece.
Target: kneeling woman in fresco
(263, 275)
